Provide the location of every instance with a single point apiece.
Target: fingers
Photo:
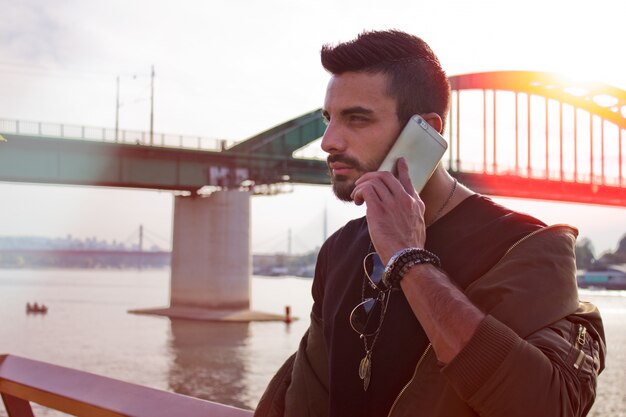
(402, 173)
(379, 186)
(367, 192)
(395, 213)
(369, 188)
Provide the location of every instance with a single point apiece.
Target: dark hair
(416, 79)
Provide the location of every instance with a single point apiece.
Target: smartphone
(422, 147)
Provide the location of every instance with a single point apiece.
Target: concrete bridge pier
(211, 259)
(211, 251)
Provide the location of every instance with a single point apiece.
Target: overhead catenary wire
(47, 71)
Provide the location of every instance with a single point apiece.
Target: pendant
(365, 370)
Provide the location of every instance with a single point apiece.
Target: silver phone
(422, 147)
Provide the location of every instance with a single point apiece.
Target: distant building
(611, 277)
(283, 264)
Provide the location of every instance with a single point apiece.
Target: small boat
(36, 308)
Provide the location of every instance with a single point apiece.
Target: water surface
(88, 328)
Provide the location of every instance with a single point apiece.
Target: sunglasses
(367, 317)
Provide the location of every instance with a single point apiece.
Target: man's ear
(434, 120)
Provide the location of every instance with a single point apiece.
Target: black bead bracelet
(402, 261)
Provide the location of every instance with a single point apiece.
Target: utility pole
(289, 242)
(117, 108)
(140, 254)
(118, 104)
(152, 106)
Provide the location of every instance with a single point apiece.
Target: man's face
(362, 127)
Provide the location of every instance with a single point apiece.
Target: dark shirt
(468, 240)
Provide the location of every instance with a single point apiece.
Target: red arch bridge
(511, 133)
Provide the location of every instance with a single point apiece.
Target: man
(477, 311)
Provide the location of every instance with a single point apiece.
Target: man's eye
(357, 118)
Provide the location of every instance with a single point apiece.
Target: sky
(229, 69)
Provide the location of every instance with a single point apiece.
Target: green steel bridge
(511, 133)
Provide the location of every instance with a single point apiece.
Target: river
(88, 327)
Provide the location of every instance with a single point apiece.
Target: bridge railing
(103, 134)
(77, 393)
(477, 167)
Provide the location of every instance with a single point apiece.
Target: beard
(342, 184)
(342, 187)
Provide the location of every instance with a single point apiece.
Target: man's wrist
(402, 261)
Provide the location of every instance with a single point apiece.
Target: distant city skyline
(71, 242)
(95, 242)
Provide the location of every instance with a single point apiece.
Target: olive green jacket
(538, 352)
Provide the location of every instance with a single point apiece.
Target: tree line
(586, 259)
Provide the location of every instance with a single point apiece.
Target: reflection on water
(210, 360)
(88, 328)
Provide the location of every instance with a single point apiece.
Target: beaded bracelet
(402, 261)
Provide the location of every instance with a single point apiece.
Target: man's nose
(332, 141)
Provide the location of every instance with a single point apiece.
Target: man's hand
(395, 213)
(395, 218)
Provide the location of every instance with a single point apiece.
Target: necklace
(365, 366)
(445, 204)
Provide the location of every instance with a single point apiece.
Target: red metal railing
(77, 393)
